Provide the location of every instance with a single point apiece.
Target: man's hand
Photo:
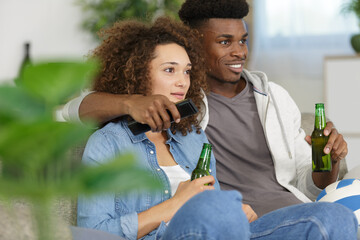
(103, 107)
(151, 110)
(249, 212)
(336, 145)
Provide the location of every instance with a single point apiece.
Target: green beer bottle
(24, 64)
(321, 162)
(203, 165)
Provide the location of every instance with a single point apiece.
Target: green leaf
(16, 104)
(55, 82)
(26, 149)
(25, 188)
(352, 6)
(119, 175)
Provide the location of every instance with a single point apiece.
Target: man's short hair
(194, 12)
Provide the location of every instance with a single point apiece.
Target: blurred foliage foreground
(34, 149)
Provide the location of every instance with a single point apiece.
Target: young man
(254, 124)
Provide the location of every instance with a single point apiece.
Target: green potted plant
(103, 13)
(353, 6)
(35, 166)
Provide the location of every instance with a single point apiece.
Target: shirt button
(166, 191)
(158, 169)
(151, 152)
(209, 170)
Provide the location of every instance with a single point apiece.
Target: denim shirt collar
(142, 137)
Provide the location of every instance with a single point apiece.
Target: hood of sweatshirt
(263, 94)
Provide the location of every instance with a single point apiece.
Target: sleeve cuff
(70, 111)
(203, 117)
(129, 225)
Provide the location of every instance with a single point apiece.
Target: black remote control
(186, 108)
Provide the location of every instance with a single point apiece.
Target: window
(306, 18)
(293, 36)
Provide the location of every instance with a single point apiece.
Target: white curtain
(291, 37)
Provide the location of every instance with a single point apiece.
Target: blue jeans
(218, 215)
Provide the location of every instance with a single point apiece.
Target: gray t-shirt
(244, 162)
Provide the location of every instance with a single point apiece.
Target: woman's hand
(188, 189)
(150, 219)
(249, 212)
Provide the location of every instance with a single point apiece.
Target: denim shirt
(117, 213)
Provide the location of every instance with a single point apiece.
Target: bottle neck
(27, 50)
(204, 160)
(320, 121)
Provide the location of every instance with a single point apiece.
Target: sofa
(17, 222)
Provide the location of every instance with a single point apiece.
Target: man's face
(225, 46)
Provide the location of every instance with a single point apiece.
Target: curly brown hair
(127, 50)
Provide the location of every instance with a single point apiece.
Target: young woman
(161, 59)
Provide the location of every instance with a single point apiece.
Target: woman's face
(170, 72)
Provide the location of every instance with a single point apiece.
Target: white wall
(52, 27)
(305, 92)
(341, 86)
